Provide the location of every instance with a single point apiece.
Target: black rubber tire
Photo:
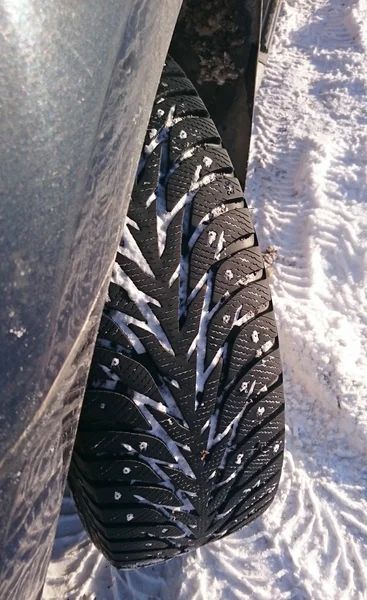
(180, 440)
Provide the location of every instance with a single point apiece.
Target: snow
(255, 337)
(159, 432)
(18, 332)
(132, 251)
(211, 237)
(307, 188)
(220, 246)
(142, 301)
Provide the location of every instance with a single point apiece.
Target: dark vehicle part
(271, 12)
(217, 43)
(77, 84)
(180, 439)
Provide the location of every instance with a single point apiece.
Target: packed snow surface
(307, 188)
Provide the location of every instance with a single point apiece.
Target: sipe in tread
(180, 440)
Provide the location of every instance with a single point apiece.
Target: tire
(180, 440)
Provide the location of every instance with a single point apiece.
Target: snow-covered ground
(308, 190)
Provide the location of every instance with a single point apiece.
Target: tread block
(116, 471)
(135, 559)
(179, 182)
(192, 132)
(148, 543)
(223, 193)
(122, 444)
(125, 493)
(139, 530)
(112, 410)
(172, 85)
(185, 106)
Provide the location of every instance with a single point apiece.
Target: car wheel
(180, 440)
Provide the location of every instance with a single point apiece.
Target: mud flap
(217, 43)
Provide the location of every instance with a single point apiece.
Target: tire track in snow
(315, 216)
(75, 563)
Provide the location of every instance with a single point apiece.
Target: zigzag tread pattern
(180, 440)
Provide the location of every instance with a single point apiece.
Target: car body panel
(77, 83)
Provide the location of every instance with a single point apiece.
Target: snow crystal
(219, 210)
(220, 246)
(207, 161)
(269, 344)
(244, 386)
(211, 237)
(18, 331)
(229, 187)
(255, 337)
